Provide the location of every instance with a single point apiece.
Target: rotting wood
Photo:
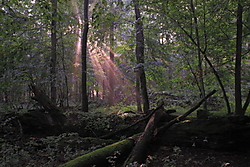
(48, 105)
(182, 117)
(139, 151)
(130, 126)
(99, 156)
(43, 99)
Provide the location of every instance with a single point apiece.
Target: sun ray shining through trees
(124, 90)
(79, 75)
(76, 79)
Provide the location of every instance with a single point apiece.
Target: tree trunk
(211, 66)
(182, 117)
(48, 105)
(139, 152)
(201, 81)
(98, 157)
(238, 98)
(138, 94)
(65, 89)
(84, 58)
(53, 51)
(220, 83)
(140, 56)
(130, 126)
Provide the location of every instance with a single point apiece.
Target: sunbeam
(105, 69)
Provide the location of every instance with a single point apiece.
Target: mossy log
(99, 156)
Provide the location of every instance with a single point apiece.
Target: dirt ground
(174, 156)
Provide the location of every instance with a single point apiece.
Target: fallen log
(138, 153)
(217, 132)
(55, 112)
(182, 117)
(43, 99)
(134, 124)
(99, 157)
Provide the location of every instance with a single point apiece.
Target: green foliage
(171, 61)
(91, 122)
(171, 161)
(13, 155)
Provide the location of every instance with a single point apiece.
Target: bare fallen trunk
(134, 124)
(52, 110)
(182, 117)
(139, 152)
(142, 140)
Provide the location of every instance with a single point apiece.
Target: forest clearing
(124, 83)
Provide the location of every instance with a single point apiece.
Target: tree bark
(139, 152)
(53, 52)
(137, 93)
(48, 105)
(84, 58)
(125, 146)
(182, 117)
(140, 56)
(160, 107)
(201, 78)
(238, 98)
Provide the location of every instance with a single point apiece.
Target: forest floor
(174, 156)
(36, 153)
(48, 150)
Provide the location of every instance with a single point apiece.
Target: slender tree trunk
(84, 58)
(220, 83)
(65, 86)
(192, 71)
(140, 56)
(201, 81)
(138, 95)
(210, 64)
(53, 51)
(238, 98)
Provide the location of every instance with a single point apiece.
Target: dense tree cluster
(190, 48)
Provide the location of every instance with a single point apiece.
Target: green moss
(98, 157)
